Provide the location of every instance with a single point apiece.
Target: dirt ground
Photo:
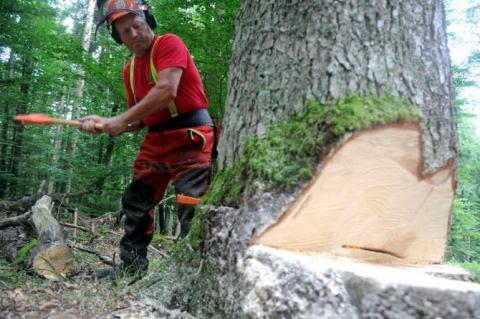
(64, 300)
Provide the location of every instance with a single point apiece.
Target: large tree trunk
(287, 53)
(395, 183)
(384, 170)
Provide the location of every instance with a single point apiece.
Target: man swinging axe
(166, 95)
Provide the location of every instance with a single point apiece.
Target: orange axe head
(33, 119)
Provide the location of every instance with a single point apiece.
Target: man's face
(135, 33)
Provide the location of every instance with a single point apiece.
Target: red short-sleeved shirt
(169, 52)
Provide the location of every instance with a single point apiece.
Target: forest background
(43, 69)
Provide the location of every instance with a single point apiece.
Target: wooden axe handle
(74, 123)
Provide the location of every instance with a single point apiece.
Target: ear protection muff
(116, 36)
(152, 22)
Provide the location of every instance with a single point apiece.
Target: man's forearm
(135, 126)
(155, 101)
(158, 98)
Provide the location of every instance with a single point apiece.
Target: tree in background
(40, 63)
(465, 233)
(36, 67)
(207, 28)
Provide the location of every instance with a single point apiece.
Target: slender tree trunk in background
(4, 133)
(87, 33)
(105, 156)
(16, 159)
(220, 88)
(288, 53)
(58, 140)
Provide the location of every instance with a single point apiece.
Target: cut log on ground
(52, 257)
(21, 220)
(371, 201)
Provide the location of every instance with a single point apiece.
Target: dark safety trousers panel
(183, 156)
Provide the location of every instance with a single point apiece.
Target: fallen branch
(172, 238)
(111, 232)
(155, 250)
(106, 260)
(108, 215)
(200, 268)
(20, 205)
(85, 229)
(20, 220)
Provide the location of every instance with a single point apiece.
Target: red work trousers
(183, 156)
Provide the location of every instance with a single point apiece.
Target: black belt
(190, 119)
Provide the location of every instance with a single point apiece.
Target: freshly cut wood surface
(53, 261)
(369, 201)
(52, 258)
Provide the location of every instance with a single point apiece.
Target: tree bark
(388, 187)
(286, 53)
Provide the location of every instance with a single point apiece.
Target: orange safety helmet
(111, 10)
(119, 8)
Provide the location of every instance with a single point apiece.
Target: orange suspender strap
(171, 106)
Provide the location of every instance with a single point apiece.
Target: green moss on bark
(289, 153)
(195, 236)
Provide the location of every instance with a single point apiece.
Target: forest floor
(24, 294)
